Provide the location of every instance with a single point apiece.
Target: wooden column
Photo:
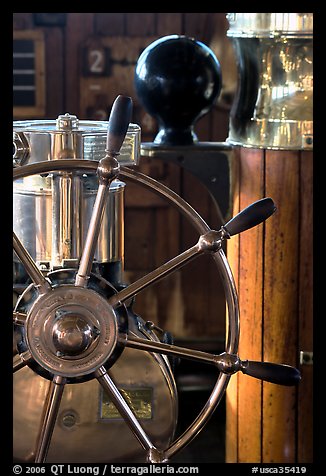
(273, 271)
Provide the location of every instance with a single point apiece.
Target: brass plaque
(138, 399)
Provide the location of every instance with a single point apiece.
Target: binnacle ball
(177, 79)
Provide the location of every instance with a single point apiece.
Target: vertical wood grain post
(273, 271)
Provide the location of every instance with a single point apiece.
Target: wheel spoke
(30, 266)
(49, 418)
(154, 276)
(86, 260)
(225, 362)
(19, 318)
(171, 349)
(109, 386)
(108, 169)
(210, 241)
(21, 360)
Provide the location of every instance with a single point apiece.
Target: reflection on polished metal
(69, 138)
(72, 334)
(49, 417)
(20, 360)
(51, 212)
(269, 25)
(273, 108)
(51, 216)
(71, 331)
(19, 318)
(64, 221)
(101, 436)
(108, 170)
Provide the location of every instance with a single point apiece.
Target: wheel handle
(249, 217)
(279, 374)
(108, 169)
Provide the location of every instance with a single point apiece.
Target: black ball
(177, 80)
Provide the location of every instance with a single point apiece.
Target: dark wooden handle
(251, 216)
(270, 372)
(119, 120)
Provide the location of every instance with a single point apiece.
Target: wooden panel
(109, 24)
(274, 423)
(99, 93)
(170, 311)
(54, 72)
(280, 303)
(250, 302)
(79, 27)
(220, 124)
(305, 391)
(232, 252)
(166, 173)
(139, 253)
(166, 243)
(200, 26)
(205, 311)
(169, 24)
(188, 303)
(148, 247)
(140, 24)
(161, 303)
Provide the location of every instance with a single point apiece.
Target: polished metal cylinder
(32, 215)
(69, 138)
(273, 107)
(51, 217)
(110, 247)
(66, 217)
(51, 212)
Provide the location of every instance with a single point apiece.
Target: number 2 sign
(96, 61)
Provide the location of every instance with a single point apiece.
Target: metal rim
(56, 389)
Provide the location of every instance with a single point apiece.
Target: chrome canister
(273, 107)
(51, 212)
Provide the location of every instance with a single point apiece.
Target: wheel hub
(72, 334)
(71, 331)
